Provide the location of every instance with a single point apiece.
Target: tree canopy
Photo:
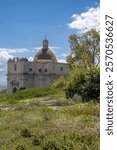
(85, 49)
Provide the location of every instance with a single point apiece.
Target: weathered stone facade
(40, 73)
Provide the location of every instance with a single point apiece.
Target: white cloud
(64, 55)
(6, 53)
(36, 49)
(30, 59)
(14, 50)
(51, 47)
(62, 60)
(85, 21)
(54, 47)
(19, 50)
(4, 56)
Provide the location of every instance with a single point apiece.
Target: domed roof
(45, 53)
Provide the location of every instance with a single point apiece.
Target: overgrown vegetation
(84, 77)
(31, 93)
(85, 83)
(60, 83)
(84, 71)
(41, 128)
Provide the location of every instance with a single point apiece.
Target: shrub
(75, 82)
(22, 88)
(25, 133)
(85, 83)
(36, 141)
(60, 83)
(91, 88)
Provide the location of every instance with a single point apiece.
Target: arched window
(45, 70)
(15, 67)
(40, 70)
(61, 69)
(30, 69)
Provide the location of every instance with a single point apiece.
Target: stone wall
(22, 73)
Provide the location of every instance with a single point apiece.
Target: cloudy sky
(24, 24)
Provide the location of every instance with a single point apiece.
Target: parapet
(17, 59)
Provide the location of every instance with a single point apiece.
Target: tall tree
(85, 49)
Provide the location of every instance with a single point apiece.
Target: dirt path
(29, 103)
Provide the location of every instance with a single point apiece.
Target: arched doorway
(14, 89)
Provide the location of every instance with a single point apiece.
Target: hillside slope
(34, 123)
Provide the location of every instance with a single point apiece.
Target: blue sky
(24, 24)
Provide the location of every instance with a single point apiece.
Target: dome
(45, 53)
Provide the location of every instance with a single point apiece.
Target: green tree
(84, 78)
(85, 49)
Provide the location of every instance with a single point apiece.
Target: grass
(34, 126)
(31, 93)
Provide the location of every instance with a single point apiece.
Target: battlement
(17, 59)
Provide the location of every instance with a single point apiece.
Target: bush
(22, 88)
(85, 83)
(91, 88)
(25, 133)
(60, 83)
(75, 82)
(36, 141)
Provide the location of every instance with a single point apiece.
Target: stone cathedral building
(41, 72)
